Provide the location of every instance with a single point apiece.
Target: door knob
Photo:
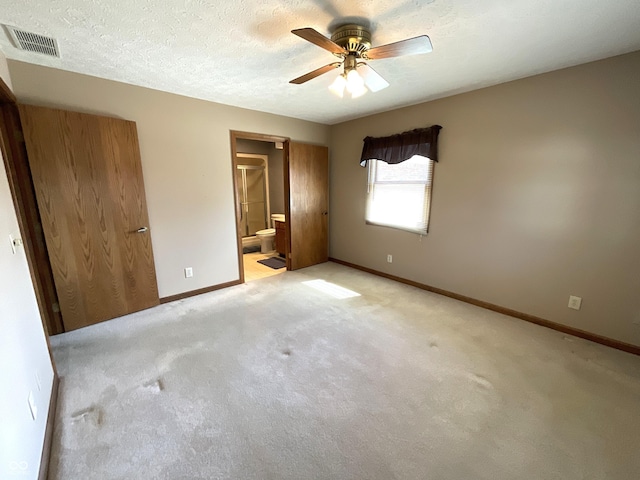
(142, 230)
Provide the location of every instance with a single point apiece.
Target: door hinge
(55, 307)
(18, 135)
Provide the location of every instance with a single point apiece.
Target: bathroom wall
(276, 179)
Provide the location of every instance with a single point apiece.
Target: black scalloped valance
(402, 146)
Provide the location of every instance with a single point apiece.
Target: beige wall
(536, 197)
(186, 161)
(23, 349)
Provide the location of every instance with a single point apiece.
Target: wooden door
(307, 176)
(88, 181)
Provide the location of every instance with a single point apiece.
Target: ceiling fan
(352, 43)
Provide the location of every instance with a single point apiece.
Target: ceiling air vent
(32, 42)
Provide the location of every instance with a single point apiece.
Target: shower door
(252, 192)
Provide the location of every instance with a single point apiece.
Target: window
(400, 178)
(398, 194)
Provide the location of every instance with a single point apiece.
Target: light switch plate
(15, 243)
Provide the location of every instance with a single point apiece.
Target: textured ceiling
(241, 52)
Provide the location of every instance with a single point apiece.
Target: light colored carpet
(277, 380)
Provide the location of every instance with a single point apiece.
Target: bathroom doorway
(298, 185)
(260, 197)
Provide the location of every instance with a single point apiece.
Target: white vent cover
(32, 42)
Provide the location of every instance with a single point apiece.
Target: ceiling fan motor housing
(353, 38)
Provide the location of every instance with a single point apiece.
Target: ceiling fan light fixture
(354, 80)
(351, 81)
(339, 85)
(358, 91)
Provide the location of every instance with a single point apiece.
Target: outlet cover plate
(575, 302)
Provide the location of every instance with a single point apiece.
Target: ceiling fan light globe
(338, 85)
(355, 83)
(358, 91)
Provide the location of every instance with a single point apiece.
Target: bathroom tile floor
(254, 270)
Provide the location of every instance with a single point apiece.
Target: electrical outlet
(33, 408)
(575, 302)
(188, 272)
(389, 258)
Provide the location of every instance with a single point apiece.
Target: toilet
(266, 237)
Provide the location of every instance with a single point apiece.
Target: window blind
(399, 195)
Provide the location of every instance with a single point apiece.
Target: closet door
(88, 181)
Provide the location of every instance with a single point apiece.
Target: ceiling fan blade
(410, 46)
(316, 73)
(315, 37)
(372, 79)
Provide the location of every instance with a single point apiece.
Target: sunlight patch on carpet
(332, 289)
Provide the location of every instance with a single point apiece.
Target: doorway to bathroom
(259, 185)
(281, 197)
